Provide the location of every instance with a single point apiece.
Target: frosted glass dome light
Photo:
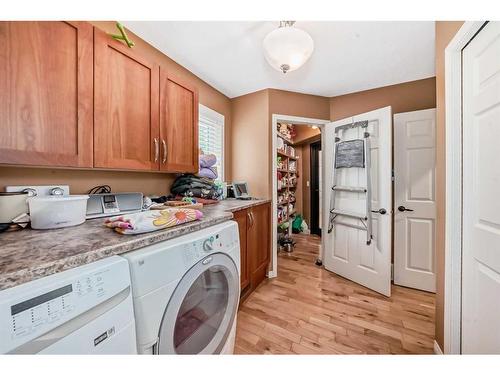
(287, 48)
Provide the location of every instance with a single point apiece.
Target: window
(211, 136)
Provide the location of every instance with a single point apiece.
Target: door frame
(453, 231)
(273, 269)
(314, 165)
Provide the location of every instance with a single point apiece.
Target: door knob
(381, 211)
(403, 209)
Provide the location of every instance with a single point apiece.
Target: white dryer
(84, 310)
(186, 292)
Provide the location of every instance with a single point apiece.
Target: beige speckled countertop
(30, 254)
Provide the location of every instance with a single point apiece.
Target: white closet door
(345, 249)
(415, 199)
(481, 193)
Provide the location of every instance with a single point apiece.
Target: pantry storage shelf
(287, 169)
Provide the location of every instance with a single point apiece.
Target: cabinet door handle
(157, 149)
(164, 151)
(250, 219)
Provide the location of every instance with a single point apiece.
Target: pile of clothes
(201, 185)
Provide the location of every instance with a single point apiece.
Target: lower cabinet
(254, 226)
(241, 218)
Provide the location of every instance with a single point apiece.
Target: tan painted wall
(403, 97)
(251, 142)
(151, 183)
(301, 105)
(251, 125)
(81, 181)
(445, 31)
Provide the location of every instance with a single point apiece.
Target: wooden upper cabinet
(178, 125)
(46, 93)
(126, 94)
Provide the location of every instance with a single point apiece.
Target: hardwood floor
(308, 310)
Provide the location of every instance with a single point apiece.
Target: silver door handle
(157, 149)
(250, 219)
(164, 151)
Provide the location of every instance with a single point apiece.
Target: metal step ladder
(352, 154)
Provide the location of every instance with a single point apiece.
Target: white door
(345, 249)
(481, 193)
(415, 199)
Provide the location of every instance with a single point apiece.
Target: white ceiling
(348, 56)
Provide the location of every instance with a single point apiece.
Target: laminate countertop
(29, 254)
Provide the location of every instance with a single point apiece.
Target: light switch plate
(41, 191)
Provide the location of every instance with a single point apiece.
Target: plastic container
(57, 212)
(12, 205)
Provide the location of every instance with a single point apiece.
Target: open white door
(345, 250)
(481, 188)
(415, 199)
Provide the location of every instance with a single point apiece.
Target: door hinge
(392, 271)
(392, 175)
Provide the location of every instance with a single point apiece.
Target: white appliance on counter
(186, 292)
(84, 310)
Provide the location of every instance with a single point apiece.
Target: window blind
(211, 141)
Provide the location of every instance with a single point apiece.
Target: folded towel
(150, 221)
(210, 173)
(207, 160)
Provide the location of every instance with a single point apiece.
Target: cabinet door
(126, 134)
(258, 242)
(46, 93)
(178, 125)
(241, 218)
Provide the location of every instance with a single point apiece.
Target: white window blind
(211, 136)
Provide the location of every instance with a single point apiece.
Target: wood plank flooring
(308, 310)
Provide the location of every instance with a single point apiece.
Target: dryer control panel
(30, 310)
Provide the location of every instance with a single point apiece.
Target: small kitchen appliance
(111, 204)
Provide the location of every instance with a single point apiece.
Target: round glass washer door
(202, 309)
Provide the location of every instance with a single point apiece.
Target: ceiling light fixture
(287, 48)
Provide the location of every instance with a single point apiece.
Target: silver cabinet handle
(164, 151)
(157, 149)
(250, 217)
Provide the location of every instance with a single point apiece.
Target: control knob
(207, 245)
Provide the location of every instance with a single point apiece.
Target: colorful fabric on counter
(150, 221)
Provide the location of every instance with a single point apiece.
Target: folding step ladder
(352, 154)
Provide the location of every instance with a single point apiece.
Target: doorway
(295, 156)
(315, 188)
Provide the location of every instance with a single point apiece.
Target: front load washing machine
(186, 292)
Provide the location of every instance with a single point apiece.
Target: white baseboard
(437, 348)
(271, 274)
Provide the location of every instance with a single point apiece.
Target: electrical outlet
(41, 191)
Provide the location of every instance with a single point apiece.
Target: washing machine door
(202, 309)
